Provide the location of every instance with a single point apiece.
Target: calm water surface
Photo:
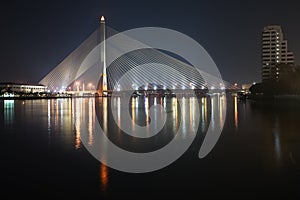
(42, 152)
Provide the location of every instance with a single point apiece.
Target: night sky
(37, 35)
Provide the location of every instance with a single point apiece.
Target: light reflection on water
(9, 111)
(267, 137)
(236, 113)
(139, 110)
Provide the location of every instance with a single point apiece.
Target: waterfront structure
(103, 76)
(274, 52)
(21, 88)
(87, 65)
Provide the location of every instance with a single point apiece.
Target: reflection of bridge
(81, 67)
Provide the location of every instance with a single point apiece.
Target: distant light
(202, 87)
(254, 83)
(192, 86)
(102, 19)
(212, 88)
(155, 87)
(146, 88)
(118, 87)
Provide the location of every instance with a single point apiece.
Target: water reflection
(78, 112)
(9, 111)
(236, 113)
(203, 114)
(277, 142)
(103, 177)
(91, 120)
(181, 113)
(269, 143)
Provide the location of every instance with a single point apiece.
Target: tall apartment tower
(274, 51)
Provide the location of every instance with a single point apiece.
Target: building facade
(21, 88)
(274, 52)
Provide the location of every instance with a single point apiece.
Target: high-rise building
(274, 52)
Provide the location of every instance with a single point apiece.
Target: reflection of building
(274, 51)
(21, 88)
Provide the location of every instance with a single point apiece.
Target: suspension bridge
(86, 70)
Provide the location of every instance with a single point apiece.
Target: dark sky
(37, 35)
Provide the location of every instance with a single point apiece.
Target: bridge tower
(103, 76)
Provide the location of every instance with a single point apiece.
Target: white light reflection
(212, 112)
(49, 120)
(192, 113)
(183, 120)
(91, 114)
(133, 105)
(147, 110)
(203, 114)
(78, 113)
(221, 107)
(236, 118)
(9, 111)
